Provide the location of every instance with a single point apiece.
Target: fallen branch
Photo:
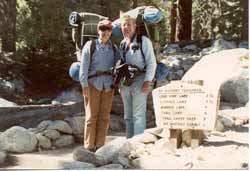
(29, 116)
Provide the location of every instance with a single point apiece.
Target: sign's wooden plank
(181, 105)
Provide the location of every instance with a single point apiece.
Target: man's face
(104, 33)
(128, 28)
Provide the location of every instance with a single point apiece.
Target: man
(96, 81)
(134, 96)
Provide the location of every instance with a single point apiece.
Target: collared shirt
(136, 58)
(102, 60)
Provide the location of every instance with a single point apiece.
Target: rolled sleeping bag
(74, 71)
(151, 15)
(162, 72)
(88, 20)
(76, 18)
(116, 29)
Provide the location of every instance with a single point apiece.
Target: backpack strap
(114, 51)
(139, 42)
(122, 47)
(92, 49)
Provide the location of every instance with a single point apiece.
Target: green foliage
(44, 40)
(42, 25)
(214, 18)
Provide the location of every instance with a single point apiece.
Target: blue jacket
(102, 60)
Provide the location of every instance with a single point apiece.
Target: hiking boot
(92, 149)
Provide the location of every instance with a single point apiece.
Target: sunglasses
(104, 28)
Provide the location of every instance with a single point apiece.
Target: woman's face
(104, 34)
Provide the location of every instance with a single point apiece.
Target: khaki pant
(97, 108)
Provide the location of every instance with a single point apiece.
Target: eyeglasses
(104, 28)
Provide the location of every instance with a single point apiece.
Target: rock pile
(153, 150)
(47, 135)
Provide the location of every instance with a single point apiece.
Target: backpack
(147, 18)
(84, 28)
(74, 69)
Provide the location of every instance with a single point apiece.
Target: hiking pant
(135, 105)
(97, 108)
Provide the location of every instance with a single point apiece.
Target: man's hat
(105, 23)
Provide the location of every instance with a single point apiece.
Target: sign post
(185, 105)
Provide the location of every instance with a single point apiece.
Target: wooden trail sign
(181, 105)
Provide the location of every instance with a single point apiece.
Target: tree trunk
(8, 25)
(135, 3)
(245, 20)
(103, 7)
(2, 18)
(184, 20)
(173, 20)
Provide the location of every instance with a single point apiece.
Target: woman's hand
(85, 91)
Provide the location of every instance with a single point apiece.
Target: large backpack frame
(84, 28)
(149, 30)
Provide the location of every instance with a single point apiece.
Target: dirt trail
(51, 159)
(43, 160)
(230, 151)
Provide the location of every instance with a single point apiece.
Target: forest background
(35, 34)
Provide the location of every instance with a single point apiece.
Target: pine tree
(8, 25)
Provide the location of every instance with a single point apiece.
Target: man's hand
(85, 91)
(146, 87)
